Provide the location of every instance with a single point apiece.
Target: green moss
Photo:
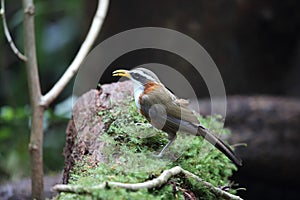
(130, 148)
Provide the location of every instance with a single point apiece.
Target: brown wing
(164, 111)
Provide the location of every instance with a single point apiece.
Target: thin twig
(8, 36)
(160, 180)
(217, 191)
(240, 145)
(82, 53)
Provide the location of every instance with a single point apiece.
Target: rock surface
(86, 126)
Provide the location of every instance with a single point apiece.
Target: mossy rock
(128, 148)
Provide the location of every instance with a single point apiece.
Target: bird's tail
(219, 144)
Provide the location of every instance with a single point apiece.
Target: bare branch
(37, 111)
(82, 53)
(7, 34)
(161, 179)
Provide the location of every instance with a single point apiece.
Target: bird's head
(140, 76)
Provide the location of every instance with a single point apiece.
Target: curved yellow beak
(121, 72)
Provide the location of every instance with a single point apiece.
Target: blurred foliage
(58, 37)
(14, 132)
(14, 139)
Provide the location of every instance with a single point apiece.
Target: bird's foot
(160, 155)
(146, 125)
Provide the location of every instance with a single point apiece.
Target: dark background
(254, 43)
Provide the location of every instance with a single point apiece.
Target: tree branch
(82, 53)
(7, 34)
(37, 111)
(161, 179)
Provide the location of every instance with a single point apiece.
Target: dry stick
(213, 189)
(161, 179)
(82, 53)
(7, 34)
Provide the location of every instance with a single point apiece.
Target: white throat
(138, 90)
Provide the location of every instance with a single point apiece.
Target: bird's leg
(171, 138)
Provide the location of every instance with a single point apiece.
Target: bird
(167, 112)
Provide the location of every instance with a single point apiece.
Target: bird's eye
(136, 76)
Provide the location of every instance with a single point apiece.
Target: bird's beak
(121, 72)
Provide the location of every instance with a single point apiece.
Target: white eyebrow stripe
(147, 74)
